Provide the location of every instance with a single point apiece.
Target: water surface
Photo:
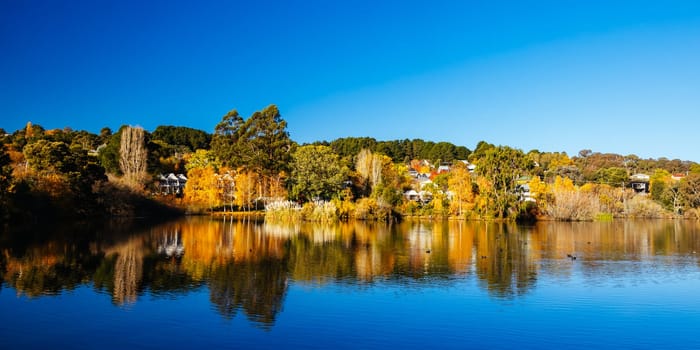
(200, 282)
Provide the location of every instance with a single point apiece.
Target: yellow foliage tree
(571, 203)
(276, 186)
(482, 199)
(563, 184)
(460, 184)
(438, 202)
(540, 192)
(247, 188)
(202, 188)
(560, 160)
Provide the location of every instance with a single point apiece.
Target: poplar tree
(133, 155)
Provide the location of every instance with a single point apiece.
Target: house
(523, 180)
(171, 183)
(443, 168)
(524, 194)
(425, 196)
(522, 188)
(412, 195)
(677, 176)
(425, 182)
(640, 183)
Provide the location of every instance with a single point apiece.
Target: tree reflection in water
(257, 287)
(247, 266)
(128, 271)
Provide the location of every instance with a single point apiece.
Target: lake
(205, 283)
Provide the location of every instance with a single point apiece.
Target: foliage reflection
(247, 266)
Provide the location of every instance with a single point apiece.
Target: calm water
(198, 283)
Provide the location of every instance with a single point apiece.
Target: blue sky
(611, 76)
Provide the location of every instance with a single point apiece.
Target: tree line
(249, 163)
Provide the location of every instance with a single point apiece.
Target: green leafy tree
(191, 138)
(29, 134)
(690, 190)
(695, 168)
(400, 150)
(47, 156)
(269, 144)
(480, 150)
(5, 181)
(501, 166)
(316, 172)
(109, 153)
(260, 144)
(229, 139)
(614, 176)
(660, 183)
(85, 140)
(105, 134)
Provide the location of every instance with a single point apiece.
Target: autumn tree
(247, 189)
(570, 203)
(133, 156)
(540, 192)
(462, 189)
(226, 186)
(202, 189)
(316, 172)
(369, 166)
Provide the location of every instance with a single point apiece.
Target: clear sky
(611, 76)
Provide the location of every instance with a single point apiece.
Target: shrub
(644, 207)
(573, 205)
(319, 211)
(283, 211)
